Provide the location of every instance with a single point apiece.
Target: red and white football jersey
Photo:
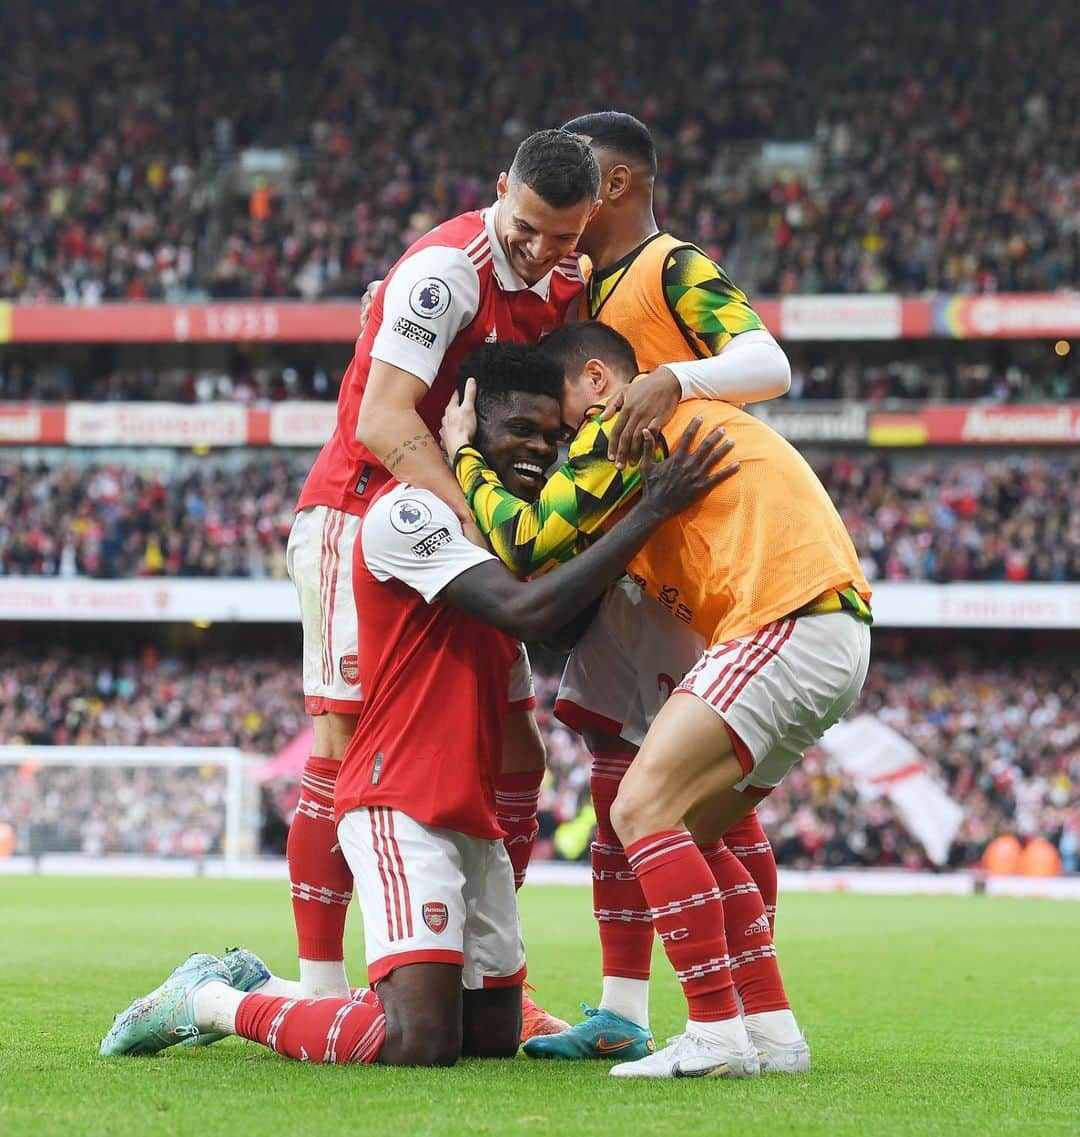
(435, 680)
(451, 292)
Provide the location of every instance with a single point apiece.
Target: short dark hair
(573, 345)
(558, 166)
(618, 132)
(505, 369)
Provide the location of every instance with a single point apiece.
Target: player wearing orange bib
(764, 571)
(698, 335)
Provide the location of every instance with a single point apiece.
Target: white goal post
(241, 790)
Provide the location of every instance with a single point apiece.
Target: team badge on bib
(435, 916)
(430, 297)
(409, 515)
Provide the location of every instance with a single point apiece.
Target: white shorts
(319, 557)
(433, 896)
(522, 693)
(622, 670)
(779, 689)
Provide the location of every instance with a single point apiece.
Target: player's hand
(686, 475)
(459, 421)
(366, 302)
(647, 404)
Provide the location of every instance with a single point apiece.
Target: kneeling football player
(441, 620)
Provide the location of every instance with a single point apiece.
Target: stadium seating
(124, 188)
(1004, 738)
(937, 519)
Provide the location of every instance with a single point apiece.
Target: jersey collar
(505, 275)
(603, 282)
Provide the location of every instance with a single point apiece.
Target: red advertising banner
(795, 318)
(310, 424)
(188, 323)
(22, 425)
(978, 425)
(307, 424)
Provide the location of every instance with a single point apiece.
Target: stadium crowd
(921, 374)
(1003, 738)
(161, 811)
(22, 379)
(68, 698)
(115, 142)
(206, 520)
(928, 375)
(999, 519)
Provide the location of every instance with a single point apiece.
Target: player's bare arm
(528, 609)
(391, 428)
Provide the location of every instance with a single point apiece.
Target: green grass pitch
(926, 1016)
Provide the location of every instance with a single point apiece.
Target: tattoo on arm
(397, 455)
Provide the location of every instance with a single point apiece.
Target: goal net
(117, 801)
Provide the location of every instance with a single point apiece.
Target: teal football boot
(165, 1017)
(603, 1034)
(248, 974)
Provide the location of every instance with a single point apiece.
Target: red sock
(754, 967)
(324, 1031)
(516, 798)
(747, 840)
(322, 882)
(619, 905)
(688, 915)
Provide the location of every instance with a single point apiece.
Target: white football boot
(687, 1056)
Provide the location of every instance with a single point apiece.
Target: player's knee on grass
(423, 1009)
(491, 1022)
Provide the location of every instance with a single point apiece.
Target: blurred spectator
(120, 521)
(927, 373)
(1003, 737)
(110, 129)
(238, 381)
(171, 811)
(90, 699)
(997, 519)
(943, 147)
(941, 519)
(923, 373)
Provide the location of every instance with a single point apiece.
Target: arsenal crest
(435, 915)
(349, 666)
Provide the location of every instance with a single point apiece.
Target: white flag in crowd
(883, 762)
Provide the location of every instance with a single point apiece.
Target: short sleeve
(429, 298)
(413, 536)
